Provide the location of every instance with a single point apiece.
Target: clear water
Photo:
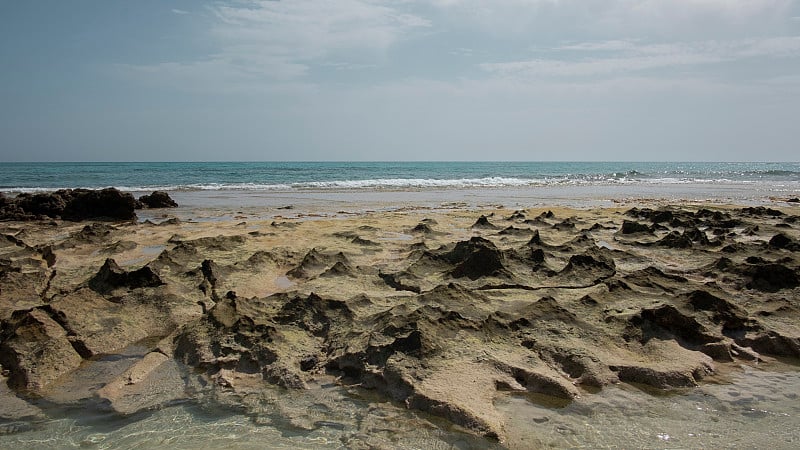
(329, 417)
(292, 176)
(750, 408)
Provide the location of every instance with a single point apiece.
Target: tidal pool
(746, 408)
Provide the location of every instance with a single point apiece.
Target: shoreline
(331, 202)
(446, 308)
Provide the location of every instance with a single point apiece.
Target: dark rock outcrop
(422, 228)
(476, 258)
(514, 231)
(781, 240)
(111, 276)
(587, 268)
(631, 227)
(483, 224)
(761, 211)
(771, 277)
(70, 204)
(158, 199)
(675, 240)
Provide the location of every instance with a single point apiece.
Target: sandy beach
(457, 311)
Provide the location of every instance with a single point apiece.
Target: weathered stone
(111, 276)
(158, 199)
(36, 351)
(152, 382)
(71, 204)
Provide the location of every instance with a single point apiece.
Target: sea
(332, 187)
(299, 176)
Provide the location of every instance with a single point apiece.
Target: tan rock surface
(445, 312)
(151, 382)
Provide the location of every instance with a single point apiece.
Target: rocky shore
(80, 204)
(441, 312)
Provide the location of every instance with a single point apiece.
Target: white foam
(418, 183)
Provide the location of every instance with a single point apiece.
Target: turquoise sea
(299, 176)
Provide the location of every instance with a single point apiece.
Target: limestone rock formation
(444, 321)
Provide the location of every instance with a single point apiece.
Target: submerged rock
(15, 413)
(660, 378)
(152, 382)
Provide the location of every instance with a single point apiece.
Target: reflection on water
(327, 417)
(757, 410)
(750, 409)
(283, 282)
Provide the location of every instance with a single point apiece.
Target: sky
(333, 80)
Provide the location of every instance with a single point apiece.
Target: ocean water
(322, 176)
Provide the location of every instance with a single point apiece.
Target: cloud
(697, 18)
(614, 45)
(179, 12)
(220, 75)
(620, 57)
(262, 42)
(462, 51)
(264, 45)
(301, 31)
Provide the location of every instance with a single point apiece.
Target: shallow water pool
(747, 408)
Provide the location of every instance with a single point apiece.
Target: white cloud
(595, 67)
(302, 30)
(218, 74)
(462, 51)
(263, 42)
(614, 45)
(261, 45)
(699, 18)
(735, 10)
(619, 57)
(776, 46)
(180, 12)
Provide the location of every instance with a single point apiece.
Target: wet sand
(478, 316)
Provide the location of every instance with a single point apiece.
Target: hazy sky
(399, 80)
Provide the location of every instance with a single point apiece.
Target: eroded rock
(152, 382)
(36, 351)
(111, 276)
(442, 323)
(158, 199)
